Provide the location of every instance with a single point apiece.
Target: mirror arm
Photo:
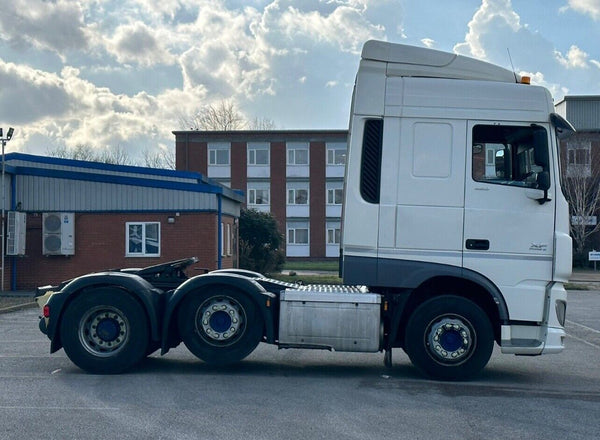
(544, 199)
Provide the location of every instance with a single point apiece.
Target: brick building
(298, 175)
(85, 216)
(580, 152)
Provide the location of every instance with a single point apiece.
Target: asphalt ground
(301, 394)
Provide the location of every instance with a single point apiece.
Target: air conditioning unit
(16, 233)
(58, 233)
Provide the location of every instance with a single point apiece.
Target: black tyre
(105, 331)
(220, 326)
(449, 338)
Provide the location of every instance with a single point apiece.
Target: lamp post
(4, 140)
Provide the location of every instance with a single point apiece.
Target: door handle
(478, 245)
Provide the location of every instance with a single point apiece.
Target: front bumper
(539, 338)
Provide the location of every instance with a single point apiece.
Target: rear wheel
(105, 331)
(449, 337)
(220, 326)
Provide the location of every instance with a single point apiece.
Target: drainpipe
(13, 207)
(219, 232)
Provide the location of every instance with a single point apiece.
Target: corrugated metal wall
(583, 113)
(40, 194)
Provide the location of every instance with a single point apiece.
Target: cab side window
(509, 155)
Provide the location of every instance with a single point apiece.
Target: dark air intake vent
(370, 169)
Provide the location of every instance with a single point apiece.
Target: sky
(123, 73)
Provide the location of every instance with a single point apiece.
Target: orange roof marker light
(525, 80)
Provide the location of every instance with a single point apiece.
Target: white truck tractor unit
(455, 236)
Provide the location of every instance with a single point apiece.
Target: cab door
(509, 212)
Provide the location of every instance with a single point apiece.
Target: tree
(78, 152)
(223, 116)
(113, 155)
(582, 190)
(159, 159)
(260, 242)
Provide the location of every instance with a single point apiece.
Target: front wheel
(105, 331)
(449, 338)
(220, 326)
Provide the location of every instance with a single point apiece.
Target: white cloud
(496, 27)
(66, 109)
(575, 58)
(491, 13)
(346, 27)
(428, 42)
(140, 44)
(28, 95)
(588, 7)
(57, 26)
(250, 52)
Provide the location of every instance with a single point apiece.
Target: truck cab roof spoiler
(414, 61)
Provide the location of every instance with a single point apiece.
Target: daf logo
(538, 247)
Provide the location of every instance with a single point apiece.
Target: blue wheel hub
(450, 340)
(104, 330)
(108, 329)
(220, 321)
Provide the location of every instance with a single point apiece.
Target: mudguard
(266, 302)
(151, 298)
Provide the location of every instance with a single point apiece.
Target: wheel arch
(139, 289)
(473, 287)
(264, 300)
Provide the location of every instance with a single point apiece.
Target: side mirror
(543, 183)
(543, 180)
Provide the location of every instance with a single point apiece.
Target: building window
(258, 196)
(218, 156)
(333, 235)
(335, 196)
(297, 196)
(297, 236)
(258, 155)
(335, 156)
(297, 156)
(143, 239)
(579, 161)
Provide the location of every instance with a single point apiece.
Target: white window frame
(252, 156)
(331, 156)
(334, 234)
(143, 252)
(252, 192)
(229, 240)
(331, 196)
(225, 239)
(213, 157)
(222, 239)
(292, 194)
(292, 235)
(292, 159)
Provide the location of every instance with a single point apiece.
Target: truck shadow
(492, 382)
